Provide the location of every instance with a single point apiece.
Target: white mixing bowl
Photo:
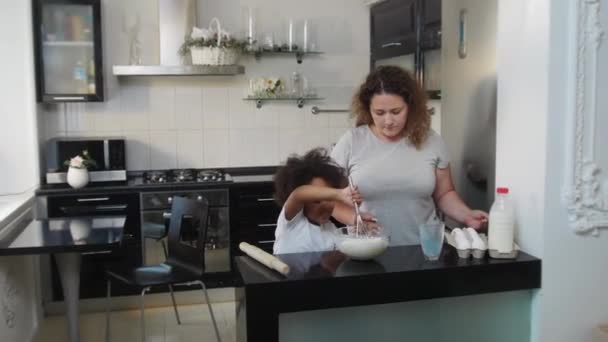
(362, 247)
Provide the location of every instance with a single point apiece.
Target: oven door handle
(167, 215)
(111, 207)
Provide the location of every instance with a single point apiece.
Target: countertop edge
(14, 209)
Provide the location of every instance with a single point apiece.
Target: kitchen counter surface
(240, 176)
(401, 274)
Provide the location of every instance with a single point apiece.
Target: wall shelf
(178, 70)
(298, 54)
(298, 100)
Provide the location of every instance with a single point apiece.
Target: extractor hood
(175, 21)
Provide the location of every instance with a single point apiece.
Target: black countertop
(400, 261)
(242, 175)
(63, 235)
(330, 280)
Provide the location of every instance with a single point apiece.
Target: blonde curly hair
(397, 81)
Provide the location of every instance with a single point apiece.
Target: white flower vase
(80, 229)
(78, 178)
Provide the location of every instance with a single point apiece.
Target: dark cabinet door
(68, 49)
(93, 265)
(254, 214)
(393, 28)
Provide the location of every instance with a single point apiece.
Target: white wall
(19, 163)
(535, 96)
(574, 298)
(469, 95)
(203, 121)
(18, 132)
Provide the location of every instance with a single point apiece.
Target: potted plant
(78, 175)
(212, 46)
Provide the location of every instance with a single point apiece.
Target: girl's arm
(448, 201)
(312, 193)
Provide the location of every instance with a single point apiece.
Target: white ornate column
(587, 205)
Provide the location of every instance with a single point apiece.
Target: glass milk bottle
(502, 226)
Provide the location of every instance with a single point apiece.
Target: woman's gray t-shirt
(395, 179)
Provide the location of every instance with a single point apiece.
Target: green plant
(226, 42)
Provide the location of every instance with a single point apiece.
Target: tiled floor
(161, 325)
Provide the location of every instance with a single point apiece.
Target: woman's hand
(476, 219)
(348, 196)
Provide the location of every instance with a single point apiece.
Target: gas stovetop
(185, 176)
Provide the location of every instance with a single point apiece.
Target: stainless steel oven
(156, 209)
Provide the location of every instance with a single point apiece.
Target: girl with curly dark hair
(308, 187)
(399, 163)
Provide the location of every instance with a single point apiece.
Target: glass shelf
(178, 70)
(299, 100)
(298, 53)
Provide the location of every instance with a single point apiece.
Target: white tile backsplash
(266, 117)
(162, 108)
(215, 108)
(241, 113)
(216, 147)
(290, 116)
(138, 150)
(189, 107)
(242, 147)
(163, 149)
(266, 146)
(204, 121)
(190, 149)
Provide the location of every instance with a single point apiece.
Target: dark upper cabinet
(393, 28)
(408, 33)
(68, 50)
(431, 24)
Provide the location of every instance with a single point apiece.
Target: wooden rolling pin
(268, 260)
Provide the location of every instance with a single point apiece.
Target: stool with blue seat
(185, 259)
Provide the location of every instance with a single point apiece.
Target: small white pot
(78, 178)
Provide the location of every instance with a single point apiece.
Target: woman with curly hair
(308, 188)
(399, 163)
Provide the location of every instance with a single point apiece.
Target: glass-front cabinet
(67, 36)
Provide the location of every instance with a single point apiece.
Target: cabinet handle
(266, 241)
(69, 98)
(263, 225)
(390, 44)
(166, 215)
(96, 199)
(265, 199)
(98, 252)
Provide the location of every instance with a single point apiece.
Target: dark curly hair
(394, 80)
(300, 170)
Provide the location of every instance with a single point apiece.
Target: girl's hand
(370, 224)
(476, 219)
(348, 196)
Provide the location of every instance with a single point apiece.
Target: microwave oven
(108, 154)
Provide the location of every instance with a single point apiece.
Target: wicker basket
(214, 55)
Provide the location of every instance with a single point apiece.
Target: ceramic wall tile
(216, 147)
(189, 107)
(162, 108)
(163, 149)
(215, 108)
(190, 149)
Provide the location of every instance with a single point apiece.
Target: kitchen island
(399, 295)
